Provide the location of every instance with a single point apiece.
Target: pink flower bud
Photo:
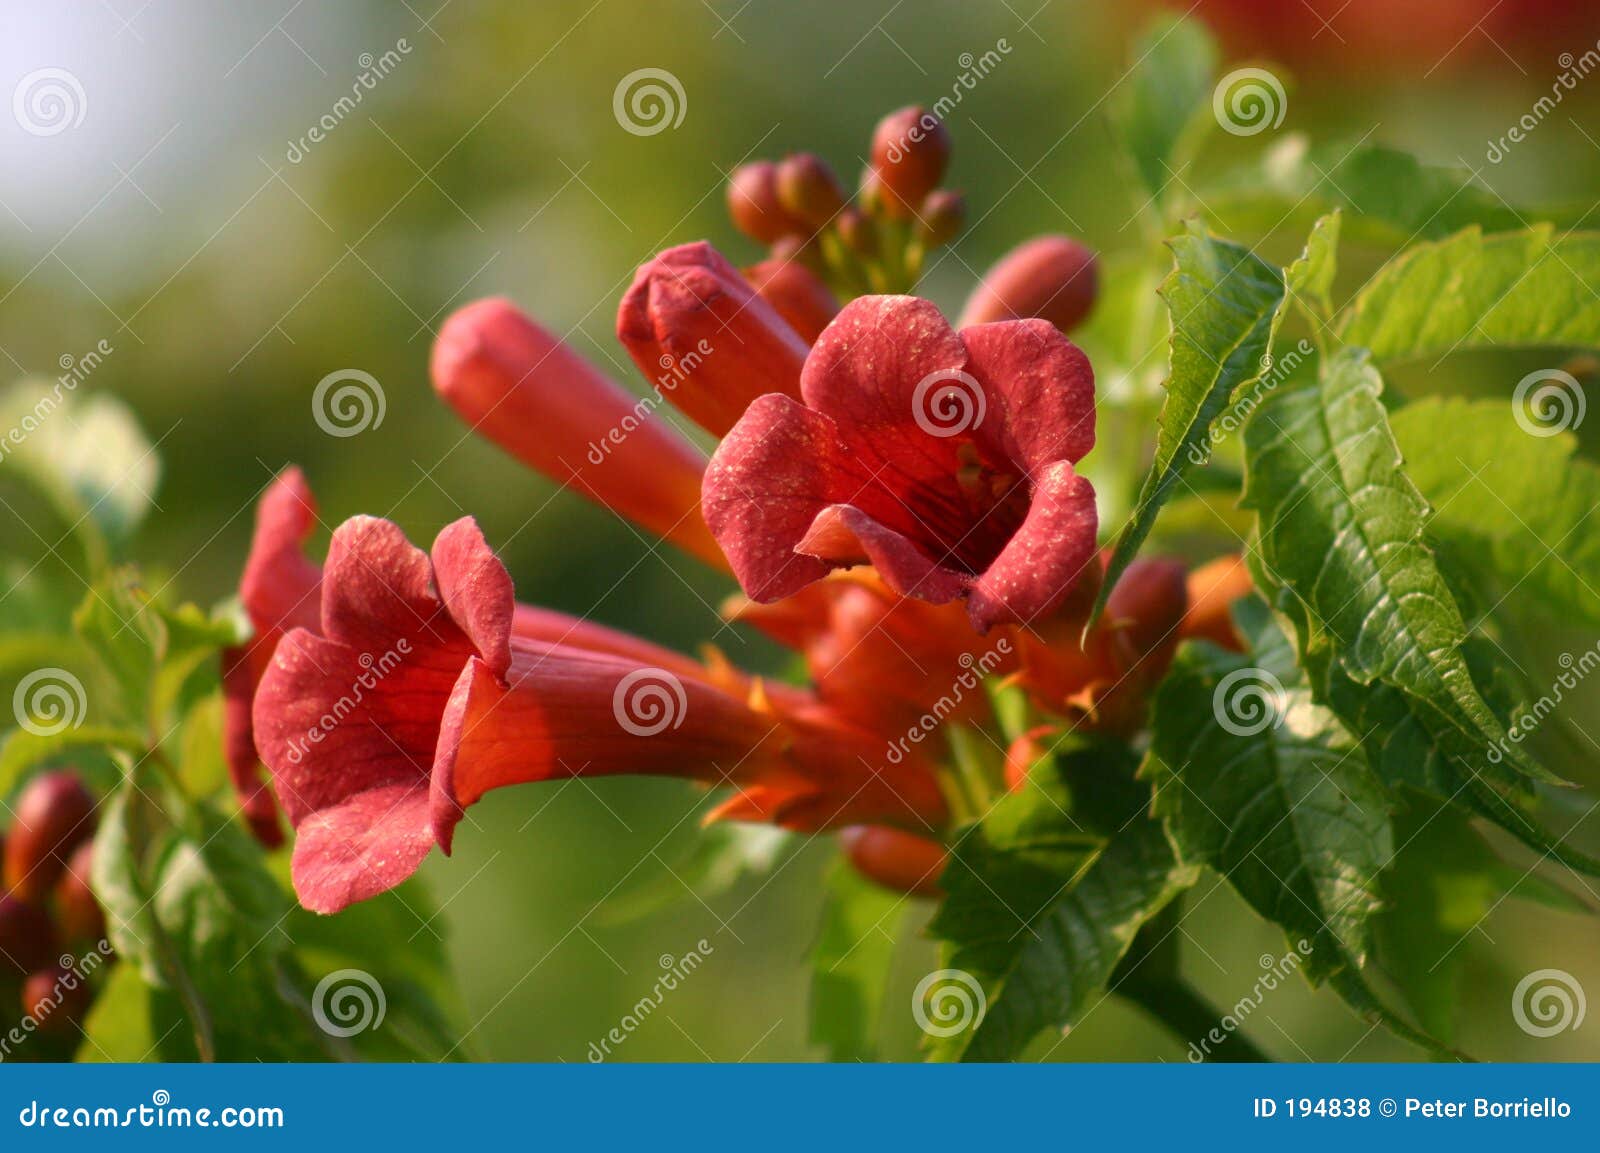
(54, 815)
(943, 214)
(699, 332)
(754, 205)
(1053, 278)
(858, 232)
(27, 939)
(1143, 614)
(901, 862)
(808, 189)
(56, 999)
(797, 293)
(80, 914)
(910, 151)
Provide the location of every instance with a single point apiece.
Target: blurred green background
(229, 279)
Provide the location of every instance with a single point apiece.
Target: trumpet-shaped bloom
(418, 694)
(944, 459)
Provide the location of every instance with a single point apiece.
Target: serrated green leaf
(1530, 289)
(850, 962)
(1310, 278)
(1515, 511)
(1341, 529)
(1255, 780)
(1225, 304)
(1392, 197)
(128, 641)
(1164, 107)
(1039, 914)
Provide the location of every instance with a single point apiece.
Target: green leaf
(86, 454)
(129, 641)
(1310, 278)
(1392, 197)
(1514, 511)
(719, 858)
(24, 750)
(1225, 303)
(1530, 289)
(849, 964)
(1341, 530)
(1039, 913)
(118, 882)
(1442, 884)
(1255, 780)
(1164, 108)
(396, 938)
(121, 1026)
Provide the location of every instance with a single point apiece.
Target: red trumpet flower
(945, 460)
(419, 695)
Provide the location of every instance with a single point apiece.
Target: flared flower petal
(280, 590)
(945, 460)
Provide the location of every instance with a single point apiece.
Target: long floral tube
(417, 697)
(524, 389)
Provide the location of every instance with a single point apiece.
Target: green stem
(1190, 1018)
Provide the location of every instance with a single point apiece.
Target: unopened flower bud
(899, 861)
(27, 939)
(695, 327)
(54, 815)
(754, 205)
(808, 189)
(78, 913)
(1053, 278)
(1143, 614)
(910, 151)
(56, 999)
(858, 232)
(796, 293)
(1025, 752)
(1213, 587)
(944, 213)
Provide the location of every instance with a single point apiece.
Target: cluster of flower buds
(875, 243)
(49, 917)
